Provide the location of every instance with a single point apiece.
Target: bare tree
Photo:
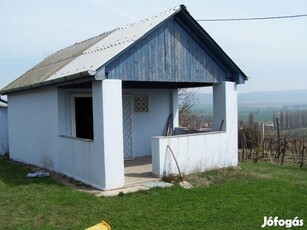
(187, 100)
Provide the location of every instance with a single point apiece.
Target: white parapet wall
(193, 153)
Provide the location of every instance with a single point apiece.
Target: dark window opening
(84, 117)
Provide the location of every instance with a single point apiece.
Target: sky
(272, 53)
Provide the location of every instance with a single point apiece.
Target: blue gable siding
(167, 54)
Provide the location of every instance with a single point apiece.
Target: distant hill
(273, 98)
(278, 98)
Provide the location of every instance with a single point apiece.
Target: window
(140, 103)
(82, 116)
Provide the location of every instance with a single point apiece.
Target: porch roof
(89, 58)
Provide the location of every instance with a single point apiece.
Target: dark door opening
(84, 117)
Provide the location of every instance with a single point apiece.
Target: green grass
(233, 198)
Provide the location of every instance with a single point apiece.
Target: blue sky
(273, 53)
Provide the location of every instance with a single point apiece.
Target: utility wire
(252, 19)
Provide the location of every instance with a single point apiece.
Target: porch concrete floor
(139, 171)
(138, 176)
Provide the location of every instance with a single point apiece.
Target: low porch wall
(193, 152)
(78, 159)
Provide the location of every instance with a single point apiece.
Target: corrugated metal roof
(87, 56)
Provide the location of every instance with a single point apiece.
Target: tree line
(290, 119)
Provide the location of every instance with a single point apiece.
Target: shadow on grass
(15, 174)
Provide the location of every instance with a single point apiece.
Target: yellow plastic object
(101, 226)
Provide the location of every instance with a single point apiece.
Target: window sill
(77, 138)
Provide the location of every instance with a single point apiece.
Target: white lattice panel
(140, 104)
(127, 127)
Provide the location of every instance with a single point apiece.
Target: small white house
(88, 107)
(4, 148)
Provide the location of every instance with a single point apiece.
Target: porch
(125, 130)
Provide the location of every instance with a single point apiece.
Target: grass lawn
(234, 198)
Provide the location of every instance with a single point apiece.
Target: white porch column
(175, 108)
(108, 131)
(225, 114)
(225, 107)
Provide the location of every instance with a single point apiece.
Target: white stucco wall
(4, 147)
(33, 127)
(152, 123)
(40, 133)
(79, 158)
(98, 162)
(200, 152)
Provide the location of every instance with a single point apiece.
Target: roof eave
(49, 82)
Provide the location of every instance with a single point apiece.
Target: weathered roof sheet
(55, 62)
